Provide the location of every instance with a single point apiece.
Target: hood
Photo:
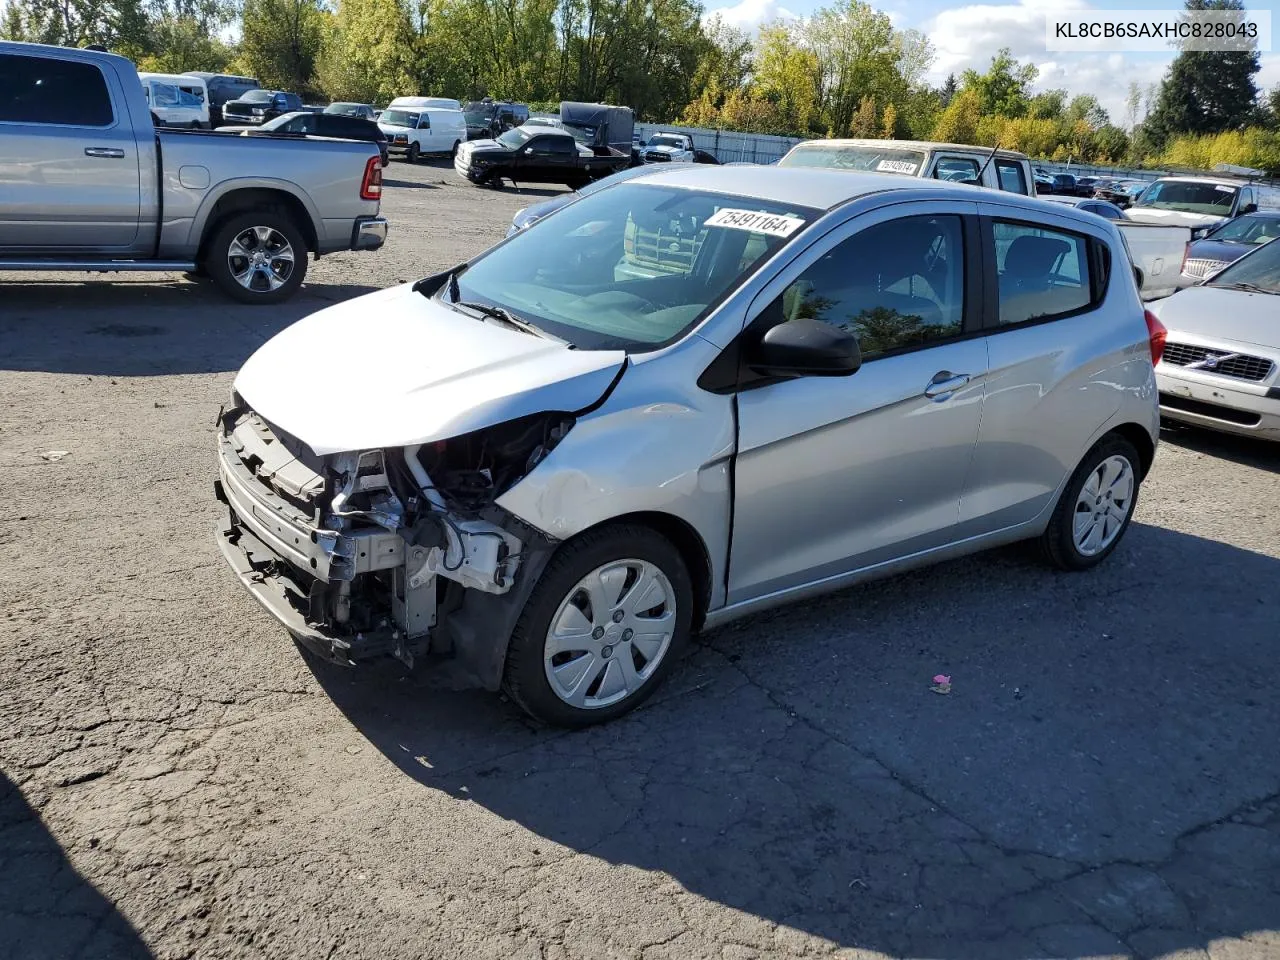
(1218, 250)
(485, 145)
(1173, 218)
(391, 131)
(1218, 314)
(663, 148)
(394, 368)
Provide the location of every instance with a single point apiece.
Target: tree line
(845, 70)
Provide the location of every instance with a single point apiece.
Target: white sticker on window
(755, 221)
(897, 166)
(1226, 189)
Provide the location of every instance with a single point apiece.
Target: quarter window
(895, 286)
(956, 168)
(1011, 176)
(41, 90)
(1042, 273)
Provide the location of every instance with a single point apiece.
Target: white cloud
(969, 36)
(749, 14)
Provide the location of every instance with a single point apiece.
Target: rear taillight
(371, 185)
(1186, 252)
(1156, 335)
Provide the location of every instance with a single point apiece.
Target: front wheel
(413, 152)
(453, 154)
(602, 628)
(257, 257)
(1096, 506)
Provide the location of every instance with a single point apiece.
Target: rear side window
(1011, 176)
(956, 168)
(895, 286)
(41, 90)
(1043, 273)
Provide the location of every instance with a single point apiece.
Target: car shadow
(1103, 775)
(47, 910)
(1246, 451)
(143, 329)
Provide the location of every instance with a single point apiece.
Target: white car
(1221, 362)
(414, 131)
(178, 100)
(668, 148)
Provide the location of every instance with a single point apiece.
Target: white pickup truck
(668, 148)
(1156, 250)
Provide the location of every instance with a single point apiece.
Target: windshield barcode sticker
(897, 166)
(755, 221)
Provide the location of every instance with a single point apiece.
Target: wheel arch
(247, 198)
(1142, 442)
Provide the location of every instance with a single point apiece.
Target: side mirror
(806, 348)
(1139, 276)
(1249, 208)
(527, 150)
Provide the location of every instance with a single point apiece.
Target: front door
(836, 474)
(69, 168)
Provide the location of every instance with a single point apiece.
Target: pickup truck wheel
(258, 257)
(602, 628)
(412, 156)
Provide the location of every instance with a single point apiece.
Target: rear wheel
(257, 257)
(1096, 507)
(602, 627)
(412, 155)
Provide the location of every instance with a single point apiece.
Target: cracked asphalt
(178, 780)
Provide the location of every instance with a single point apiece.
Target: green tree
(889, 122)
(280, 41)
(368, 52)
(1047, 105)
(787, 74)
(947, 91)
(1005, 88)
(119, 25)
(865, 122)
(959, 122)
(1087, 108)
(1111, 144)
(1206, 92)
(725, 58)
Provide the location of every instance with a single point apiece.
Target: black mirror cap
(806, 348)
(1249, 208)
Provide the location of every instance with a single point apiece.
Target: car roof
(805, 186)
(913, 145)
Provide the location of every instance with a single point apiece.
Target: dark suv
(258, 106)
(223, 87)
(488, 118)
(307, 124)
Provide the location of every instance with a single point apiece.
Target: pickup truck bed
(107, 191)
(1157, 252)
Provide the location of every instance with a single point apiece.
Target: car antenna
(992, 156)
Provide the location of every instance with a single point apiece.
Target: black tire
(453, 154)
(525, 679)
(412, 153)
(1058, 541)
(217, 264)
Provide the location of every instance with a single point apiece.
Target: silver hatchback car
(679, 400)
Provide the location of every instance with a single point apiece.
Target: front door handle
(104, 153)
(944, 384)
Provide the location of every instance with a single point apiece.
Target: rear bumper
(369, 233)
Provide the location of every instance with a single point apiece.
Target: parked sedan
(1227, 244)
(680, 400)
(1221, 363)
(336, 126)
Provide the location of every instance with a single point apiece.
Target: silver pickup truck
(88, 183)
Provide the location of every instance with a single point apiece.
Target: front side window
(894, 286)
(41, 90)
(1042, 273)
(631, 267)
(515, 138)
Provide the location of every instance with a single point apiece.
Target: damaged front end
(398, 552)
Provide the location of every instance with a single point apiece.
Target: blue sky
(967, 34)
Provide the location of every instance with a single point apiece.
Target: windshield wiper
(1246, 287)
(500, 314)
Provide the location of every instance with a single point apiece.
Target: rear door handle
(104, 153)
(944, 384)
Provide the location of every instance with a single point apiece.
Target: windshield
(398, 118)
(478, 112)
(631, 268)
(344, 109)
(1189, 196)
(257, 96)
(661, 141)
(877, 159)
(514, 138)
(1258, 268)
(1248, 230)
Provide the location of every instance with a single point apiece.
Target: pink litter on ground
(941, 678)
